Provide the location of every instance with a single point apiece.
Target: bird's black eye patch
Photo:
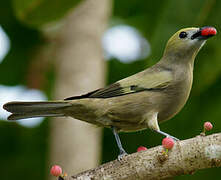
(183, 35)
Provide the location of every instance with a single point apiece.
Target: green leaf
(37, 13)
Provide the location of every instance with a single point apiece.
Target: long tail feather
(22, 110)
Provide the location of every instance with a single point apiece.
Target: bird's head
(187, 42)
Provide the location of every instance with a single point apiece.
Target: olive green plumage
(136, 102)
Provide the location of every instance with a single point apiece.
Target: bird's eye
(183, 35)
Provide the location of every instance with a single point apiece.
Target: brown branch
(186, 157)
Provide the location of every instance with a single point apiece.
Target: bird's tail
(23, 110)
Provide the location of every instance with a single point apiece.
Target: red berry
(208, 126)
(141, 148)
(208, 31)
(168, 143)
(56, 170)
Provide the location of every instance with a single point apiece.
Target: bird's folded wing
(143, 81)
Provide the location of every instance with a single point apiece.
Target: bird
(137, 102)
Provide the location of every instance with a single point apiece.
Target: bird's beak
(204, 33)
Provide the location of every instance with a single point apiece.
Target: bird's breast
(175, 97)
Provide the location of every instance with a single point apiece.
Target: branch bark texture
(185, 157)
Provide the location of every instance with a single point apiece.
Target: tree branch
(186, 157)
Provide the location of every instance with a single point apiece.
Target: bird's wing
(143, 81)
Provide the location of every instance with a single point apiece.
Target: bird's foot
(122, 154)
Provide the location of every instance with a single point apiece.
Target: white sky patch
(4, 44)
(20, 93)
(125, 43)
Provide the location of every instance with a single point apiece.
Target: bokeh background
(128, 36)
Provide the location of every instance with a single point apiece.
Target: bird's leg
(121, 149)
(153, 124)
(167, 135)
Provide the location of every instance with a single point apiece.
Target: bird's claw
(121, 155)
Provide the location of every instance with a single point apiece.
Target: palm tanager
(137, 102)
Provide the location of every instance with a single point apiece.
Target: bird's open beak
(204, 33)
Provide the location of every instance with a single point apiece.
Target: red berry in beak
(208, 31)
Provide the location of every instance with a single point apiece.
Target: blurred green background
(24, 150)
